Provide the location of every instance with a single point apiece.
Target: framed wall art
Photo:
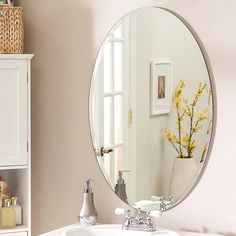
(160, 87)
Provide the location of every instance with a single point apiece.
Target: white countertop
(185, 233)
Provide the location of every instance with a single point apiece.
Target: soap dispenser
(88, 213)
(120, 188)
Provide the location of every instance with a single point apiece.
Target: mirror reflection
(151, 109)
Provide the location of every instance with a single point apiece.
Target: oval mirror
(152, 115)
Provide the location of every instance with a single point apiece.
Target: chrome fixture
(102, 151)
(138, 222)
(165, 205)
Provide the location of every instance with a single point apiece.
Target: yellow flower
(187, 110)
(203, 115)
(171, 137)
(184, 143)
(185, 139)
(192, 145)
(178, 94)
(182, 83)
(179, 120)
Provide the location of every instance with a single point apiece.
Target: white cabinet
(13, 112)
(15, 134)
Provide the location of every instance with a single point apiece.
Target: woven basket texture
(11, 30)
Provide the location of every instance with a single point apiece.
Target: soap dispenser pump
(120, 188)
(88, 213)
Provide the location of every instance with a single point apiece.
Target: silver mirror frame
(212, 83)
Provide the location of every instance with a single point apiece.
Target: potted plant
(190, 120)
(184, 142)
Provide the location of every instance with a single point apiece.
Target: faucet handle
(122, 211)
(150, 224)
(162, 198)
(139, 218)
(138, 211)
(162, 204)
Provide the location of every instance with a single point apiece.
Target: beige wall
(65, 36)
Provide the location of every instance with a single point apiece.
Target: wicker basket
(11, 30)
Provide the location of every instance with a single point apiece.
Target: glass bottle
(18, 210)
(7, 215)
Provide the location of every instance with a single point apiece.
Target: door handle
(102, 151)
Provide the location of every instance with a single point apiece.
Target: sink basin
(114, 230)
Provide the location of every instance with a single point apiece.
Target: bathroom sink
(114, 230)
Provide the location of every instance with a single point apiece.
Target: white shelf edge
(20, 167)
(17, 56)
(15, 230)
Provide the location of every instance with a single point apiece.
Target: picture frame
(160, 86)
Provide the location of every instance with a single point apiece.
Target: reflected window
(113, 101)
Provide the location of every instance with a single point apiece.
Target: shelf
(19, 186)
(17, 56)
(15, 230)
(13, 167)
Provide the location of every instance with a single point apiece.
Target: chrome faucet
(164, 206)
(137, 222)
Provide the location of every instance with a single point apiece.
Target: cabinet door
(13, 112)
